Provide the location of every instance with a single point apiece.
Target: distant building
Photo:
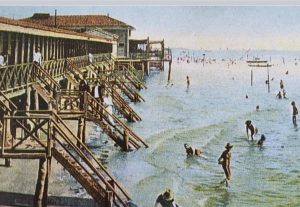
(100, 25)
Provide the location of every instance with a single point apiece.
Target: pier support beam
(10, 132)
(126, 140)
(169, 73)
(41, 190)
(145, 66)
(28, 99)
(81, 130)
(110, 195)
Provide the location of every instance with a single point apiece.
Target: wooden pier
(50, 94)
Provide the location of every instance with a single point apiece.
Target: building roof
(76, 20)
(102, 33)
(11, 25)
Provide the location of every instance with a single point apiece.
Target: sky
(196, 27)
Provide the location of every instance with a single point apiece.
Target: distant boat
(258, 63)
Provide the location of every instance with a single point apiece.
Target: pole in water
(251, 77)
(169, 73)
(268, 79)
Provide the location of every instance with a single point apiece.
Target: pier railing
(131, 74)
(122, 105)
(91, 108)
(55, 68)
(102, 57)
(138, 55)
(6, 105)
(132, 94)
(72, 67)
(69, 103)
(16, 76)
(46, 78)
(79, 61)
(119, 131)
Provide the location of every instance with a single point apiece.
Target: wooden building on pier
(88, 24)
(18, 39)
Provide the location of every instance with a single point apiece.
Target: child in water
(191, 150)
(295, 112)
(253, 130)
(261, 141)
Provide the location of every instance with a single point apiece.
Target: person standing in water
(281, 85)
(261, 141)
(295, 112)
(253, 130)
(224, 160)
(188, 81)
(166, 199)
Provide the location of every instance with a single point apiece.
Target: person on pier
(224, 160)
(37, 56)
(91, 58)
(3, 62)
(97, 93)
(107, 100)
(166, 199)
(83, 87)
(249, 127)
(295, 112)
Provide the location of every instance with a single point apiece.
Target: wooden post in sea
(169, 73)
(268, 79)
(126, 140)
(251, 77)
(41, 190)
(110, 197)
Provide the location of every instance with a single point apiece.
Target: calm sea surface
(209, 114)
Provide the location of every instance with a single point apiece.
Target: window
(121, 45)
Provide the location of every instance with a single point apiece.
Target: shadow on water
(221, 195)
(20, 199)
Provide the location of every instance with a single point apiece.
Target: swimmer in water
(295, 112)
(191, 150)
(249, 127)
(261, 141)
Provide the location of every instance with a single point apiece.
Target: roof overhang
(45, 33)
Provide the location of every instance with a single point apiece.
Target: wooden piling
(251, 77)
(80, 130)
(268, 79)
(126, 140)
(110, 195)
(169, 73)
(9, 132)
(41, 190)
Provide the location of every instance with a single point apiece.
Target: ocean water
(209, 114)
